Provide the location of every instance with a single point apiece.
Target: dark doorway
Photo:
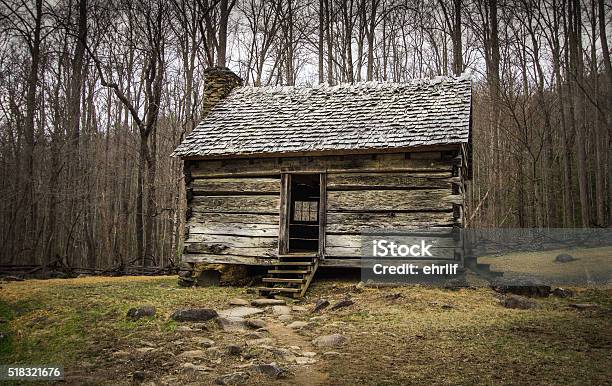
(304, 213)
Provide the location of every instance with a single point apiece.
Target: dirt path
(307, 374)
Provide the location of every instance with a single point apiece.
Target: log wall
(233, 204)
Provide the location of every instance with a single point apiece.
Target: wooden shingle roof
(363, 116)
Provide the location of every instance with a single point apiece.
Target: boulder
(194, 315)
(342, 303)
(297, 325)
(255, 323)
(334, 340)
(521, 286)
(231, 323)
(305, 360)
(267, 302)
(564, 258)
(240, 312)
(320, 304)
(233, 349)
(281, 310)
(140, 312)
(519, 302)
(299, 309)
(237, 378)
(269, 369)
(285, 318)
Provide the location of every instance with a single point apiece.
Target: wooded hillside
(95, 95)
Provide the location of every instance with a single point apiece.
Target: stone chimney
(218, 82)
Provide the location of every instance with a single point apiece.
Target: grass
(426, 335)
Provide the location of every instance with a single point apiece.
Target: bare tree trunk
(321, 37)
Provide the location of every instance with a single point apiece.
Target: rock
(269, 369)
(519, 302)
(231, 323)
(299, 309)
(236, 378)
(240, 312)
(194, 315)
(184, 329)
(233, 349)
(585, 306)
(360, 286)
(192, 354)
(521, 286)
(320, 304)
(334, 340)
(259, 342)
(297, 325)
(255, 323)
(267, 302)
(564, 258)
(342, 303)
(563, 292)
(144, 350)
(309, 354)
(283, 354)
(191, 367)
(305, 360)
(447, 306)
(204, 342)
(281, 310)
(139, 376)
(238, 302)
(331, 354)
(285, 318)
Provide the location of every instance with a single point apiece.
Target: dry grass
(426, 335)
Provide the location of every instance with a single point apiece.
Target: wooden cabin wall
(231, 219)
(421, 196)
(233, 213)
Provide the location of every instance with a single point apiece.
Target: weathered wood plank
(338, 222)
(355, 241)
(351, 245)
(216, 186)
(357, 263)
(330, 164)
(364, 181)
(225, 259)
(236, 204)
(231, 245)
(390, 200)
(354, 252)
(199, 217)
(234, 229)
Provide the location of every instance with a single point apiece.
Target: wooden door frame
(285, 211)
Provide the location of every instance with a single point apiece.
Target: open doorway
(304, 213)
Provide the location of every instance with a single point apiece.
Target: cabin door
(302, 213)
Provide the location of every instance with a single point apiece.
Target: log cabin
(290, 177)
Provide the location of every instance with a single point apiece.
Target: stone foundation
(206, 275)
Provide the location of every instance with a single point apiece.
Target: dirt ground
(403, 335)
